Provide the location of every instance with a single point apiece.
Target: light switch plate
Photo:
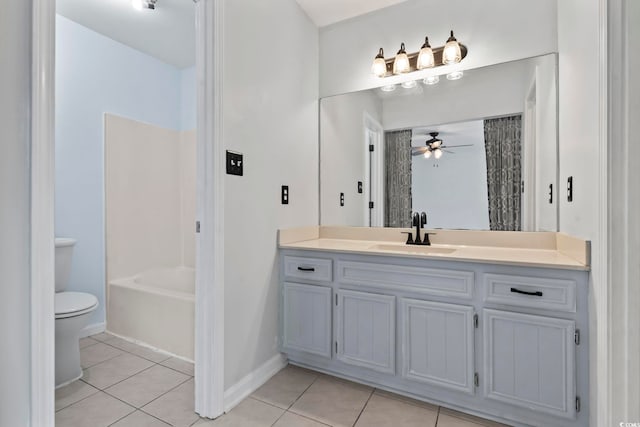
(235, 163)
(284, 195)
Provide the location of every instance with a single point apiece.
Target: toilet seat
(71, 304)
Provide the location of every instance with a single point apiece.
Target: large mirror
(476, 153)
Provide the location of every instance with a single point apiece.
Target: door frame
(374, 171)
(209, 330)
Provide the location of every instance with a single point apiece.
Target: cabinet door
(530, 361)
(437, 344)
(366, 330)
(307, 319)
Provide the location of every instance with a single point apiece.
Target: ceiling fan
(434, 146)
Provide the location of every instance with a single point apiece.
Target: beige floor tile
(147, 385)
(73, 393)
(86, 342)
(139, 419)
(179, 365)
(331, 401)
(138, 350)
(176, 407)
(384, 412)
(104, 336)
(115, 370)
(285, 387)
(289, 419)
(99, 410)
(405, 399)
(249, 413)
(97, 353)
(449, 418)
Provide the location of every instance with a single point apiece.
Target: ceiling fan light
(137, 4)
(425, 57)
(452, 53)
(401, 62)
(437, 153)
(431, 80)
(379, 67)
(436, 144)
(427, 154)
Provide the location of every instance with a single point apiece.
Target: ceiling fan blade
(454, 146)
(448, 151)
(416, 151)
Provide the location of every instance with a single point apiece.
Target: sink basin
(411, 249)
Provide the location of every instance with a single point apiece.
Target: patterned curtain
(397, 157)
(502, 140)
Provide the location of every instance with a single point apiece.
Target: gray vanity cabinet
(366, 330)
(530, 361)
(438, 344)
(307, 318)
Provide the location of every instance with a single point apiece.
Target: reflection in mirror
(477, 153)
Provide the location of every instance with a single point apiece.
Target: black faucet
(419, 220)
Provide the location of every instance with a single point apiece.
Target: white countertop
(522, 256)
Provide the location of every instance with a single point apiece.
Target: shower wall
(150, 187)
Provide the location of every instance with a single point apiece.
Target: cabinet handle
(306, 269)
(518, 291)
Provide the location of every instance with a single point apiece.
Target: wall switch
(234, 163)
(284, 195)
(570, 189)
(360, 187)
(341, 199)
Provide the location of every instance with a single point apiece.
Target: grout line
(122, 418)
(363, 408)
(438, 416)
(302, 394)
(78, 401)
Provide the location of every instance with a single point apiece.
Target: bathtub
(156, 308)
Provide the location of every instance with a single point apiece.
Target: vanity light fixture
(431, 80)
(451, 53)
(409, 84)
(143, 4)
(455, 75)
(401, 62)
(388, 88)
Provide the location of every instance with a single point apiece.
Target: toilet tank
(64, 252)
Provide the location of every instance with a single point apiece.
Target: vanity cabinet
(366, 330)
(499, 341)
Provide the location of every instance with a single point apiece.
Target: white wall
(272, 117)
(481, 93)
(15, 81)
(344, 156)
(96, 75)
(150, 197)
(453, 190)
(494, 31)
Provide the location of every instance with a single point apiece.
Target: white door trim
(42, 207)
(209, 376)
(209, 333)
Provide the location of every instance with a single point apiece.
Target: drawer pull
(310, 269)
(518, 291)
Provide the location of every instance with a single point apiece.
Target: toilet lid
(68, 304)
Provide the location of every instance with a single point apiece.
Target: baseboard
(251, 382)
(94, 328)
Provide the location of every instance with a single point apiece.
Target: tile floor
(126, 385)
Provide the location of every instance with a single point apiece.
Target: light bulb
(379, 67)
(137, 4)
(410, 84)
(427, 154)
(451, 53)
(437, 153)
(401, 63)
(425, 57)
(388, 88)
(431, 80)
(456, 75)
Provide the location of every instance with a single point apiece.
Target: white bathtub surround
(542, 249)
(155, 308)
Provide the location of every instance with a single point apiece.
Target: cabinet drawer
(419, 280)
(316, 269)
(534, 292)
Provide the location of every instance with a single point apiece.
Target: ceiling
(326, 12)
(167, 33)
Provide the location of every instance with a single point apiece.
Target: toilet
(72, 315)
